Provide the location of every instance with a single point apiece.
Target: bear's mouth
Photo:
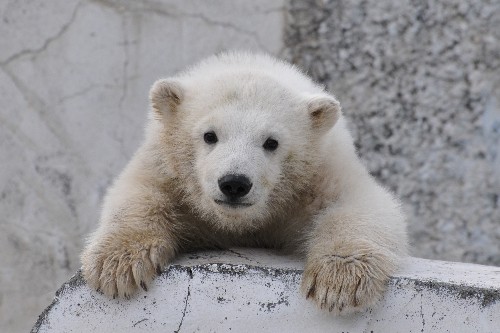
(232, 204)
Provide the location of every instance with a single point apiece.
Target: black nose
(235, 186)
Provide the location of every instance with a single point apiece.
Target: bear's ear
(166, 95)
(324, 111)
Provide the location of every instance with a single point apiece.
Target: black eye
(270, 144)
(210, 138)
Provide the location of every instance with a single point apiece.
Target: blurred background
(419, 82)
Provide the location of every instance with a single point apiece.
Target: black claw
(143, 286)
(127, 296)
(311, 292)
(158, 270)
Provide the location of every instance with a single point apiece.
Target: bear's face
(249, 144)
(240, 156)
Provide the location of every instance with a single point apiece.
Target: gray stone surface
(251, 290)
(420, 82)
(74, 80)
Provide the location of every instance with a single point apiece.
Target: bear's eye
(270, 144)
(210, 138)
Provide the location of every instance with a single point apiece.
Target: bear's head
(243, 142)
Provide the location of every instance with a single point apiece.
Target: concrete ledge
(250, 290)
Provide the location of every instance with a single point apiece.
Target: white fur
(311, 195)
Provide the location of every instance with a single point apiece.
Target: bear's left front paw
(344, 285)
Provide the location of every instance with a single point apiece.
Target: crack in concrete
(24, 140)
(76, 94)
(422, 312)
(45, 44)
(140, 321)
(186, 301)
(158, 8)
(52, 122)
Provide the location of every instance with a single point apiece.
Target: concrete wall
(420, 82)
(257, 291)
(74, 81)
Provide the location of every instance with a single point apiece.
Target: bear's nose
(235, 186)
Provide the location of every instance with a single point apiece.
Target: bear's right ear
(166, 95)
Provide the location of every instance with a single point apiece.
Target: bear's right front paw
(119, 269)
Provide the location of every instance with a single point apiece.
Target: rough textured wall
(74, 80)
(420, 82)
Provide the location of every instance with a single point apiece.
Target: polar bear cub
(245, 150)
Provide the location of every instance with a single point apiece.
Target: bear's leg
(350, 257)
(132, 244)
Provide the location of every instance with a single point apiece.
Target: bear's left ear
(324, 111)
(166, 95)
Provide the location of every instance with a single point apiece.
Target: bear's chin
(237, 217)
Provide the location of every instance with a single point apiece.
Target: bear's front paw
(344, 285)
(118, 268)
